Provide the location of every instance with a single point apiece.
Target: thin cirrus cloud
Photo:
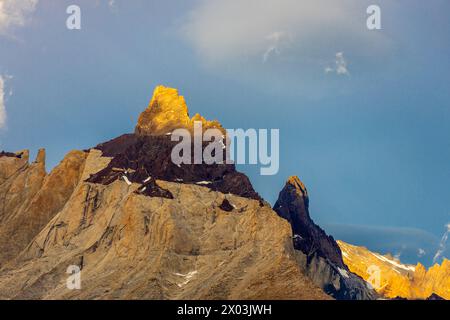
(15, 13)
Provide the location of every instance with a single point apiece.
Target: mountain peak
(322, 253)
(293, 205)
(168, 111)
(295, 182)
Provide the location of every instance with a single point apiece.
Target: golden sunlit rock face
(393, 279)
(168, 111)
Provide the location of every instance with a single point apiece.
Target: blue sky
(371, 143)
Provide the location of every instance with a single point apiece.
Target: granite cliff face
(132, 246)
(30, 197)
(318, 254)
(397, 279)
(140, 227)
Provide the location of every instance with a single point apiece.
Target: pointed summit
(295, 181)
(168, 111)
(323, 258)
(40, 157)
(293, 205)
(293, 202)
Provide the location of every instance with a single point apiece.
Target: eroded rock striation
(130, 246)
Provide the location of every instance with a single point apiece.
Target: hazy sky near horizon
(364, 116)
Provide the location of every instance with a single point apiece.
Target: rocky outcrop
(318, 254)
(30, 197)
(20, 184)
(395, 278)
(11, 163)
(293, 205)
(168, 111)
(136, 158)
(147, 152)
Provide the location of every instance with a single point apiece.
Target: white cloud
(341, 64)
(15, 13)
(2, 102)
(421, 252)
(221, 30)
(340, 67)
(112, 4)
(275, 40)
(283, 44)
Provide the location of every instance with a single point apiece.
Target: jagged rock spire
(324, 263)
(168, 111)
(293, 205)
(40, 157)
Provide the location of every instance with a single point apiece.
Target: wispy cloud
(275, 40)
(2, 102)
(421, 252)
(340, 65)
(442, 244)
(242, 39)
(15, 13)
(224, 30)
(112, 4)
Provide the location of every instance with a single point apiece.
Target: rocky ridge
(398, 279)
